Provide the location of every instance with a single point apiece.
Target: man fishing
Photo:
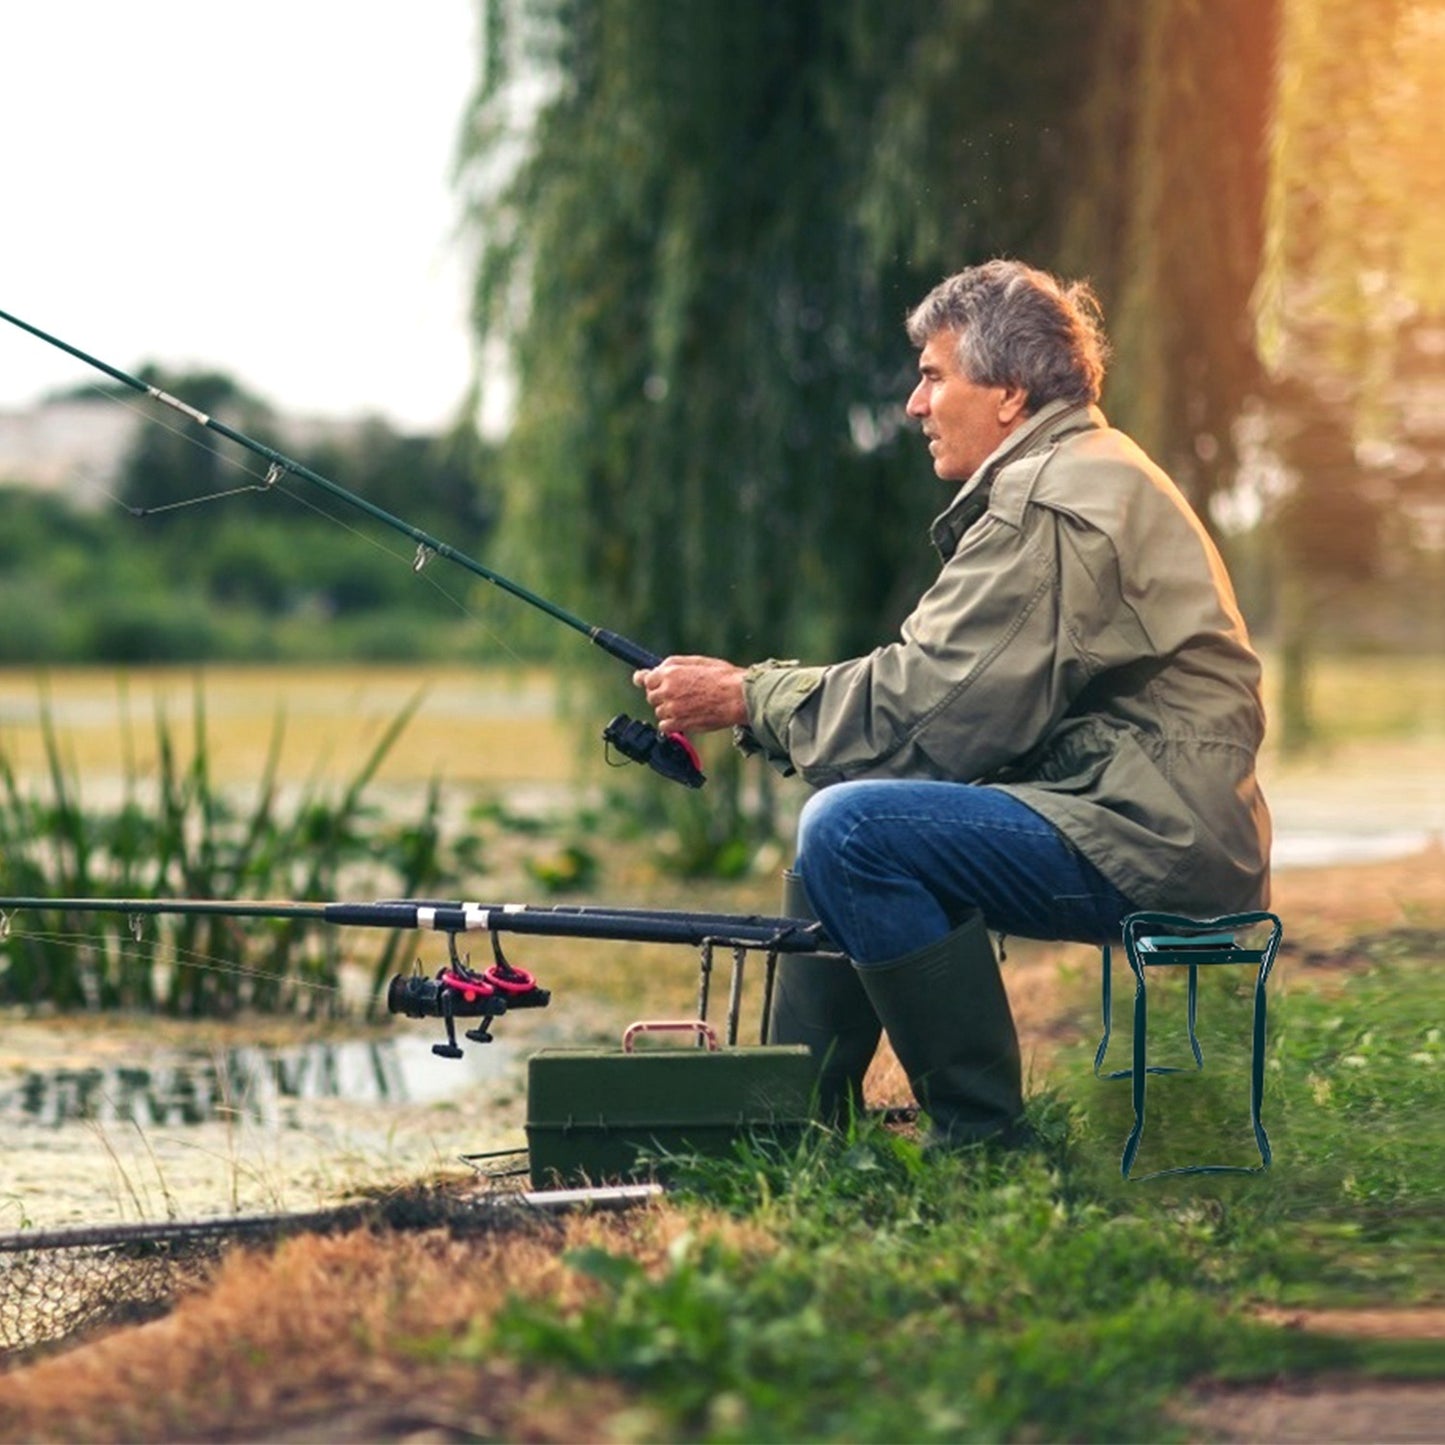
(1064, 732)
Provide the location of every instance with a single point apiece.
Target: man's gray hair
(1018, 326)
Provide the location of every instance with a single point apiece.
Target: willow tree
(701, 225)
(1124, 141)
(1352, 314)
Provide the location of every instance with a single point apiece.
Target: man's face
(963, 421)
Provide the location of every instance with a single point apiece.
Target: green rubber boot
(819, 1001)
(949, 1021)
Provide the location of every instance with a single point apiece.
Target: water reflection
(252, 1083)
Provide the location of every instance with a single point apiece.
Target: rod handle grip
(622, 647)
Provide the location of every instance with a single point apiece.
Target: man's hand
(694, 694)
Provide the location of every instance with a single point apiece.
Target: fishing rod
(670, 754)
(597, 921)
(461, 991)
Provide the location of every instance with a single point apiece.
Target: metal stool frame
(1178, 941)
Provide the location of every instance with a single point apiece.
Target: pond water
(261, 1084)
(111, 1123)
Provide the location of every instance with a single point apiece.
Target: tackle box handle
(705, 1032)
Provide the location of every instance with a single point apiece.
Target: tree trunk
(1296, 635)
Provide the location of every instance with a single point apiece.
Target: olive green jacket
(1082, 649)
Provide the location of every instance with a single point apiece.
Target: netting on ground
(59, 1285)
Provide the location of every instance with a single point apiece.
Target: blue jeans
(893, 865)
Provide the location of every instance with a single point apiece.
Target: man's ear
(1013, 405)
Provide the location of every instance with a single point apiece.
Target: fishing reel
(670, 754)
(458, 991)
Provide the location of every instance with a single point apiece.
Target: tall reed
(178, 834)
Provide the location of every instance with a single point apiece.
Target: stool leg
(1141, 1072)
(1106, 1005)
(1256, 1090)
(1194, 1014)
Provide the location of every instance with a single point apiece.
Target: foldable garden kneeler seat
(1155, 940)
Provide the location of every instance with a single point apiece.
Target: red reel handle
(510, 979)
(470, 989)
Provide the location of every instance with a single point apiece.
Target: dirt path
(1427, 1323)
(1342, 1411)
(1325, 908)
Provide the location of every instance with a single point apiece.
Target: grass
(855, 1288)
(900, 1297)
(1369, 698)
(477, 726)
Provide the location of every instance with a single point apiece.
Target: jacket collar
(1037, 437)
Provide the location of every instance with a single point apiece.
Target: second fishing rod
(669, 754)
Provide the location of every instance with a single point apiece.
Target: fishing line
(394, 554)
(178, 957)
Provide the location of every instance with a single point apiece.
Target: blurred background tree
(1351, 302)
(700, 226)
(288, 574)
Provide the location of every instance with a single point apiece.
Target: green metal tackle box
(601, 1115)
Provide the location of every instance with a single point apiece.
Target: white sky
(260, 188)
